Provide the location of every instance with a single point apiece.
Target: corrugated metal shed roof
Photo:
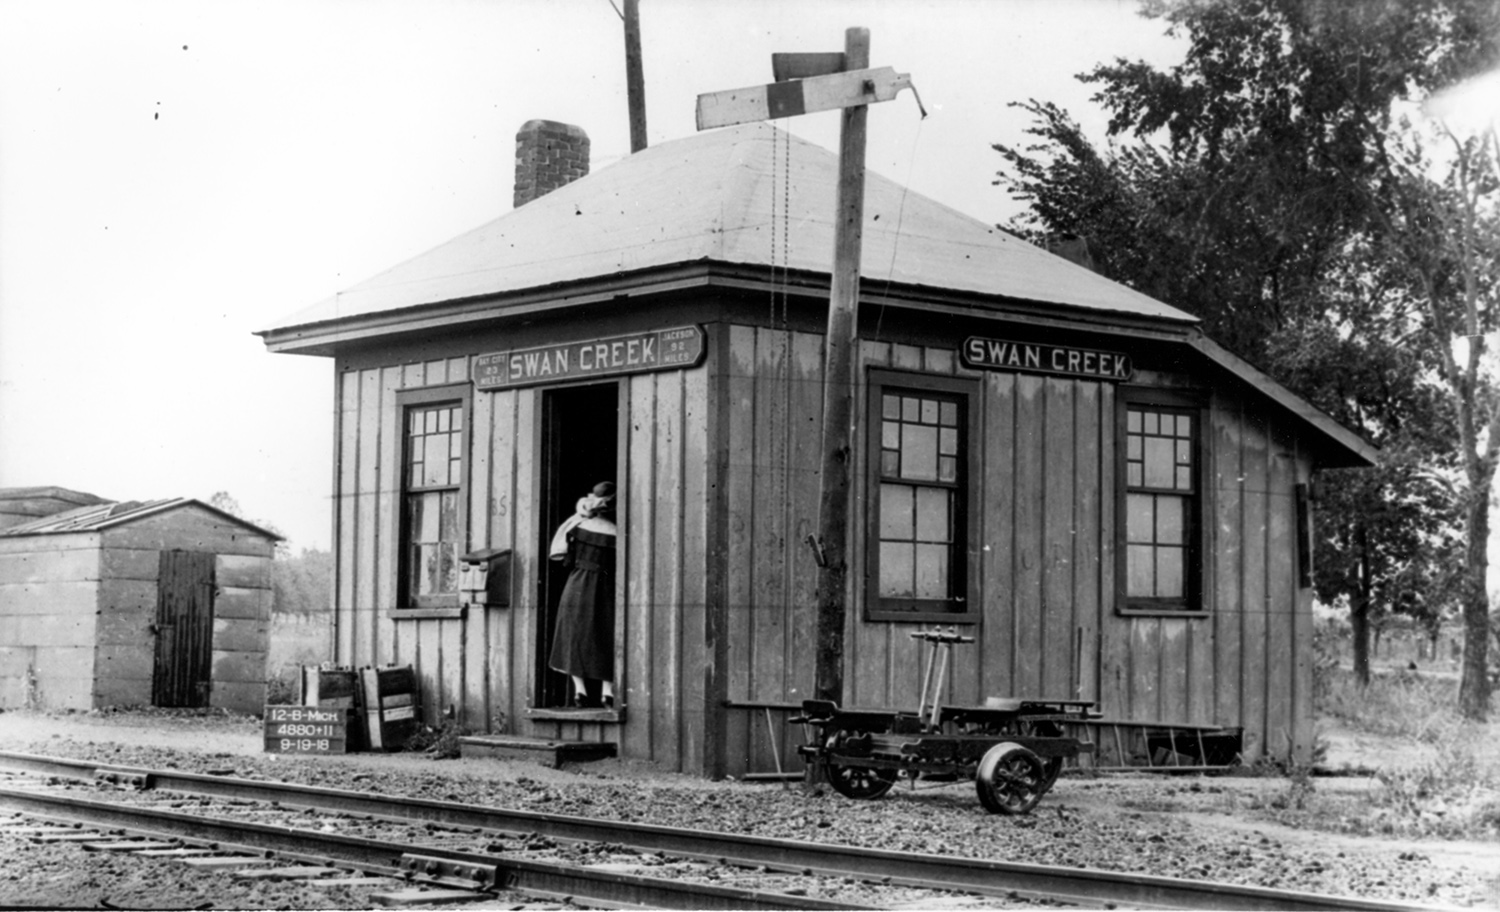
(711, 197)
(104, 516)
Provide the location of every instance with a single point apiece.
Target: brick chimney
(548, 155)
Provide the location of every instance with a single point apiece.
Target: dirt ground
(1211, 828)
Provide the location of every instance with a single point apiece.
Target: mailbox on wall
(484, 578)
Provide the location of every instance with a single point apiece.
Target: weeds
(281, 690)
(441, 743)
(1401, 704)
(1450, 786)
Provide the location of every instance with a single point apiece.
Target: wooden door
(184, 629)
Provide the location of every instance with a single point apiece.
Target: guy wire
(900, 214)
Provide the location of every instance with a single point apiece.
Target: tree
(301, 584)
(1440, 223)
(1388, 535)
(1250, 194)
(223, 500)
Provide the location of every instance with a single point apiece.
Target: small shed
(162, 603)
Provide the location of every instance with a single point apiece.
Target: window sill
(561, 714)
(419, 614)
(1161, 612)
(919, 617)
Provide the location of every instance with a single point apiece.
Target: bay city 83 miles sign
(1033, 358)
(663, 349)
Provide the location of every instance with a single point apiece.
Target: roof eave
(1344, 448)
(164, 506)
(325, 338)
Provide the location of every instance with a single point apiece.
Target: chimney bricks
(549, 155)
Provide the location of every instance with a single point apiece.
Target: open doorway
(580, 448)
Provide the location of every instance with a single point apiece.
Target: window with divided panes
(433, 482)
(920, 468)
(1162, 500)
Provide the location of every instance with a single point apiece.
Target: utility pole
(838, 385)
(808, 83)
(635, 79)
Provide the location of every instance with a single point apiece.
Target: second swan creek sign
(664, 349)
(1027, 357)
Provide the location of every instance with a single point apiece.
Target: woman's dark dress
(583, 643)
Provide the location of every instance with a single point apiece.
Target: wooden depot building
(1114, 506)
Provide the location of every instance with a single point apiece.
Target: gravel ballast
(1211, 828)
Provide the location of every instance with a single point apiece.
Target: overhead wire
(900, 216)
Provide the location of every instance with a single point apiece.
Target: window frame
(408, 400)
(1196, 569)
(963, 570)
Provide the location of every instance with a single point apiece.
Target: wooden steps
(549, 751)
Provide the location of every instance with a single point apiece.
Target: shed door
(184, 629)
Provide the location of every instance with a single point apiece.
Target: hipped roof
(109, 515)
(710, 198)
(749, 197)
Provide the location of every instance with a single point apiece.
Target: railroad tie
(127, 845)
(361, 881)
(71, 836)
(291, 872)
(426, 897)
(228, 862)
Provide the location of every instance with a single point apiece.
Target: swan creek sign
(1032, 358)
(663, 349)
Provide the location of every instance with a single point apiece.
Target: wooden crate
(390, 705)
(333, 688)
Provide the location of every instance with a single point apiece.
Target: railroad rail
(1080, 886)
(456, 875)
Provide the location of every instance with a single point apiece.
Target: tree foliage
(1254, 185)
(1440, 225)
(301, 583)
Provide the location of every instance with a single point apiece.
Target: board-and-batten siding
(1042, 546)
(367, 498)
(1249, 662)
(1047, 560)
(774, 427)
(483, 664)
(1043, 513)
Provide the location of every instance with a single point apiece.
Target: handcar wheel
(1010, 779)
(859, 782)
(1052, 767)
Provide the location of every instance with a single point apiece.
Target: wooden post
(635, 79)
(838, 386)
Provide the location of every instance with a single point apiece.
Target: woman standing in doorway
(583, 643)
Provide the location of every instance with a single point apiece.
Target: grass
(1441, 774)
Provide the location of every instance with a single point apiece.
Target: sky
(175, 176)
